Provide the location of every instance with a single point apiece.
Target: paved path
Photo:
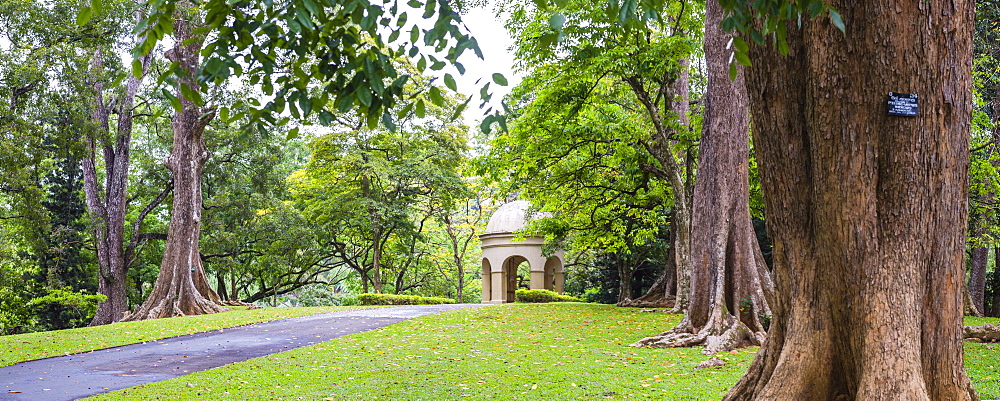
(75, 376)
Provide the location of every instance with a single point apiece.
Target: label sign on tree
(903, 104)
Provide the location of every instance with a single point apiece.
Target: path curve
(81, 375)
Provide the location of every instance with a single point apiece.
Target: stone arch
(554, 274)
(510, 275)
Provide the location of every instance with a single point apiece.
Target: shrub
(537, 296)
(65, 308)
(390, 299)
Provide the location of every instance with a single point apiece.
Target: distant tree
(383, 177)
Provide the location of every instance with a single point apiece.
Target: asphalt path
(81, 375)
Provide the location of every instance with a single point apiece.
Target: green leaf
(292, 134)
(97, 6)
(733, 71)
(742, 58)
(460, 109)
(387, 122)
(741, 44)
(837, 20)
(364, 96)
(782, 40)
(306, 104)
(313, 8)
(325, 117)
(485, 125)
(137, 68)
(556, 21)
(83, 17)
(429, 9)
(484, 92)
(815, 8)
(627, 12)
(421, 108)
(436, 97)
(449, 81)
(499, 79)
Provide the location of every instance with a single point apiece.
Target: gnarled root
(648, 302)
(989, 333)
(733, 335)
(241, 303)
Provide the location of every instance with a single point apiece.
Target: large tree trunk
(109, 211)
(181, 287)
(728, 275)
(867, 211)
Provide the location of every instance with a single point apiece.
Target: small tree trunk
(978, 260)
(625, 272)
(377, 261)
(182, 288)
(728, 276)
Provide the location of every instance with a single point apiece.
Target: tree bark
(108, 209)
(728, 276)
(181, 287)
(867, 211)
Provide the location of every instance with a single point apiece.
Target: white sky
(495, 43)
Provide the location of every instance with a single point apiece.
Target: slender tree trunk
(728, 277)
(109, 209)
(625, 272)
(978, 260)
(182, 288)
(377, 261)
(867, 211)
(670, 169)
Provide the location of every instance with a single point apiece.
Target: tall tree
(729, 278)
(867, 210)
(182, 288)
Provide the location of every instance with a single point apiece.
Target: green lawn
(514, 351)
(25, 347)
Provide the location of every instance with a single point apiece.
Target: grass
(26, 347)
(516, 351)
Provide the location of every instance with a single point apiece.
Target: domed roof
(510, 217)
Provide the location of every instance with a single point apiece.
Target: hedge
(391, 299)
(537, 296)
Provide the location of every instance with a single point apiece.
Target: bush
(65, 308)
(390, 299)
(537, 296)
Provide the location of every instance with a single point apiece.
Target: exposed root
(711, 363)
(735, 335)
(648, 302)
(241, 303)
(989, 333)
